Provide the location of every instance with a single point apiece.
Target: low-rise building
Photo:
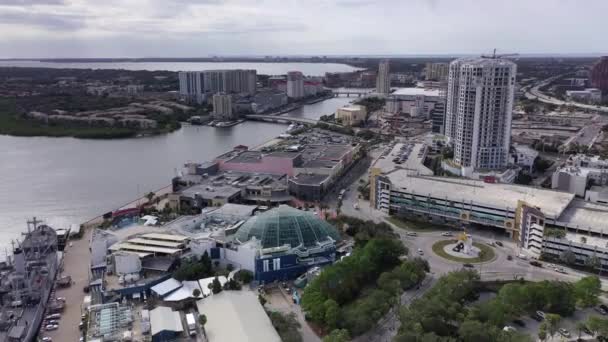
(580, 172)
(591, 95)
(236, 316)
(165, 324)
(524, 157)
(416, 102)
(352, 115)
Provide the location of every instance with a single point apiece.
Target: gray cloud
(56, 22)
(31, 2)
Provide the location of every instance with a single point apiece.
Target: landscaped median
(486, 252)
(416, 226)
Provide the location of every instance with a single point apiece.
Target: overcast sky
(193, 28)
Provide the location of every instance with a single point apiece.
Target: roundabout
(479, 252)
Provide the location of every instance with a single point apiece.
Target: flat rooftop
(160, 243)
(168, 237)
(333, 152)
(126, 246)
(416, 91)
(586, 216)
(497, 195)
(236, 316)
(309, 179)
(412, 155)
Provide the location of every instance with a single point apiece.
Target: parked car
(586, 330)
(560, 270)
(536, 317)
(509, 257)
(601, 310)
(522, 256)
(50, 327)
(420, 251)
(498, 243)
(564, 332)
(604, 307)
(536, 263)
(411, 234)
(540, 314)
(47, 339)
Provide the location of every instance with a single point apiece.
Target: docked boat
(26, 282)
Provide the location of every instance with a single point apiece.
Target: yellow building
(351, 115)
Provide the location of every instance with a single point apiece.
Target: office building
(579, 171)
(352, 115)
(295, 85)
(599, 74)
(479, 112)
(436, 71)
(383, 81)
(222, 107)
(191, 86)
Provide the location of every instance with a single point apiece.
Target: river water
(309, 69)
(65, 180)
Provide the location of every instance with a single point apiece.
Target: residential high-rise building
(191, 86)
(222, 107)
(230, 81)
(383, 82)
(436, 71)
(599, 75)
(479, 112)
(295, 84)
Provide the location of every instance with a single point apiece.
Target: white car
(420, 251)
(509, 328)
(61, 299)
(446, 234)
(51, 327)
(47, 339)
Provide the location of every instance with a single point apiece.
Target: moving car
(468, 265)
(536, 263)
(411, 234)
(420, 251)
(447, 234)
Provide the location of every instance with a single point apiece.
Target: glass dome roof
(287, 226)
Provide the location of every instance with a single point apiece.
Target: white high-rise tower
(383, 82)
(479, 111)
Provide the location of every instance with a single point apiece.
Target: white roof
(141, 248)
(236, 316)
(152, 242)
(183, 292)
(170, 237)
(204, 284)
(164, 319)
(500, 196)
(166, 287)
(416, 91)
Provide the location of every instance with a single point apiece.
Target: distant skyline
(202, 28)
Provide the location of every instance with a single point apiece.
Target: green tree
(593, 262)
(149, 196)
(216, 286)
(262, 300)
(477, 331)
(587, 291)
(332, 314)
(580, 327)
(202, 320)
(337, 335)
(196, 293)
(552, 322)
(244, 276)
(568, 257)
(542, 331)
(598, 325)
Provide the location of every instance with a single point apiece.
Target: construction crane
(494, 55)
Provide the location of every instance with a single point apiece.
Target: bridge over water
(286, 119)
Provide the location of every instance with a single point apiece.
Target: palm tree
(202, 320)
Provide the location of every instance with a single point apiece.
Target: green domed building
(290, 240)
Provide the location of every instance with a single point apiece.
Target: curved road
(535, 93)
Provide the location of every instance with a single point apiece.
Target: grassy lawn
(487, 253)
(417, 226)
